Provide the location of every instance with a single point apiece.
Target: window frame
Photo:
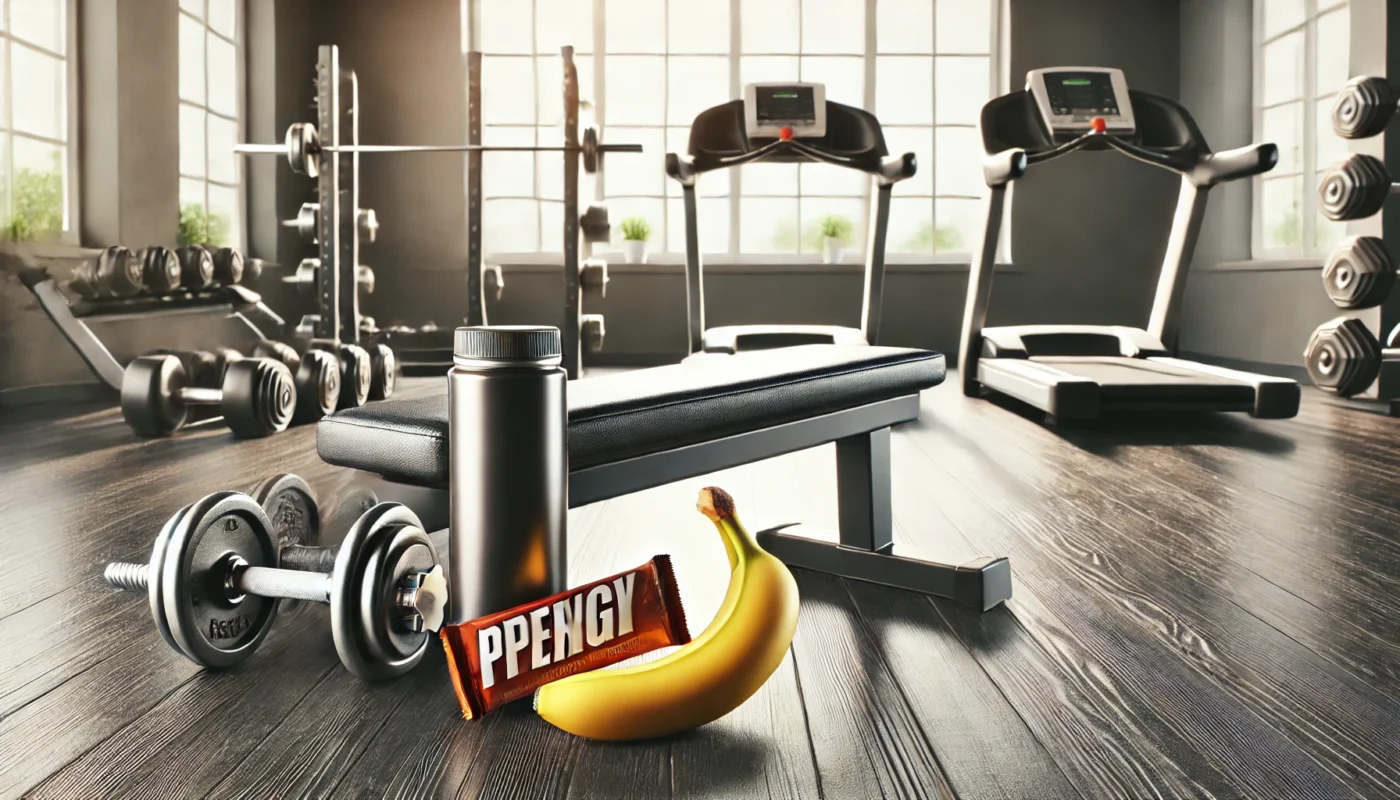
(240, 119)
(1313, 106)
(599, 53)
(72, 222)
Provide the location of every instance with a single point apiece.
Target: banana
(704, 680)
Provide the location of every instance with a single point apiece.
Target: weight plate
(228, 266)
(1354, 188)
(377, 525)
(318, 386)
(384, 370)
(303, 143)
(1363, 108)
(592, 157)
(155, 589)
(196, 267)
(1359, 273)
(149, 396)
(1343, 357)
(160, 270)
(291, 507)
(356, 375)
(211, 627)
(409, 552)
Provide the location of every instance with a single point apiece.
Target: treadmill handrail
(1203, 171)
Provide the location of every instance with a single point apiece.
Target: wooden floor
(1204, 607)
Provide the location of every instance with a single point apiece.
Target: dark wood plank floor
(1205, 606)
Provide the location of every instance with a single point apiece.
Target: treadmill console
(770, 107)
(1070, 98)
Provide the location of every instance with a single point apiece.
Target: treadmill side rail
(1062, 395)
(1274, 398)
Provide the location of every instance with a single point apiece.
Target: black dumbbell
(1354, 188)
(205, 368)
(116, 272)
(1363, 108)
(214, 583)
(316, 375)
(196, 267)
(231, 269)
(356, 371)
(1360, 273)
(256, 396)
(1343, 357)
(160, 269)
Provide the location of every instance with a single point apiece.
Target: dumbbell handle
(200, 396)
(316, 558)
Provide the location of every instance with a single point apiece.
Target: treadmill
(1072, 372)
(785, 123)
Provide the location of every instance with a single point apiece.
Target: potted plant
(635, 232)
(836, 234)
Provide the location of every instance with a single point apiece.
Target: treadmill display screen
(785, 105)
(1081, 94)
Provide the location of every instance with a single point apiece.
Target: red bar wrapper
(508, 655)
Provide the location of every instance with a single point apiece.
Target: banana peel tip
(715, 503)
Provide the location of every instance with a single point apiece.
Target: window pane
(39, 106)
(40, 22)
(918, 141)
(833, 26)
(712, 220)
(1327, 233)
(844, 77)
(959, 225)
(769, 179)
(551, 226)
(1333, 39)
(195, 7)
(1281, 202)
(829, 179)
(4, 90)
(223, 17)
(40, 170)
(505, 27)
(551, 72)
(1280, 15)
(904, 90)
(911, 226)
(510, 226)
(961, 87)
(4, 178)
(632, 173)
(713, 184)
(964, 26)
(651, 209)
(843, 213)
(769, 26)
(561, 22)
(1331, 148)
(225, 221)
(192, 192)
(767, 69)
(1283, 69)
(508, 174)
(191, 60)
(223, 135)
(192, 159)
(904, 26)
(698, 27)
(507, 90)
(223, 77)
(636, 86)
(635, 26)
(768, 225)
(696, 83)
(958, 162)
(1283, 125)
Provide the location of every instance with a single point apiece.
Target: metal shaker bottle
(507, 430)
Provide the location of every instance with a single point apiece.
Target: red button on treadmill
(785, 133)
(1098, 124)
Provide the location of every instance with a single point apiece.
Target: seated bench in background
(636, 430)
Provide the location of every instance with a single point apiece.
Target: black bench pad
(646, 411)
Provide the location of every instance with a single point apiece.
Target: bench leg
(866, 551)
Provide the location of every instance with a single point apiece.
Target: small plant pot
(634, 251)
(832, 250)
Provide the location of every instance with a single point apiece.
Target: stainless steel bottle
(508, 420)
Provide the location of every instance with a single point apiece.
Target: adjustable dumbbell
(160, 269)
(316, 375)
(1360, 273)
(196, 267)
(1343, 357)
(256, 396)
(1363, 108)
(116, 272)
(1354, 188)
(214, 583)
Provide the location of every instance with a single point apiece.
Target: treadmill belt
(1136, 381)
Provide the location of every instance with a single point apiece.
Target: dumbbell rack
(236, 302)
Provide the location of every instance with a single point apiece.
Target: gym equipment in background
(329, 151)
(1354, 188)
(1074, 371)
(1363, 108)
(256, 397)
(215, 579)
(1344, 358)
(787, 123)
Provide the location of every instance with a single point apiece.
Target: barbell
(303, 144)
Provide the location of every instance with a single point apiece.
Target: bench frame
(866, 548)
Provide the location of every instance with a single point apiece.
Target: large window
(211, 206)
(35, 127)
(1301, 63)
(924, 67)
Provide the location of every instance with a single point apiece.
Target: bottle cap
(507, 346)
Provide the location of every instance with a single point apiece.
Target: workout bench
(635, 430)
